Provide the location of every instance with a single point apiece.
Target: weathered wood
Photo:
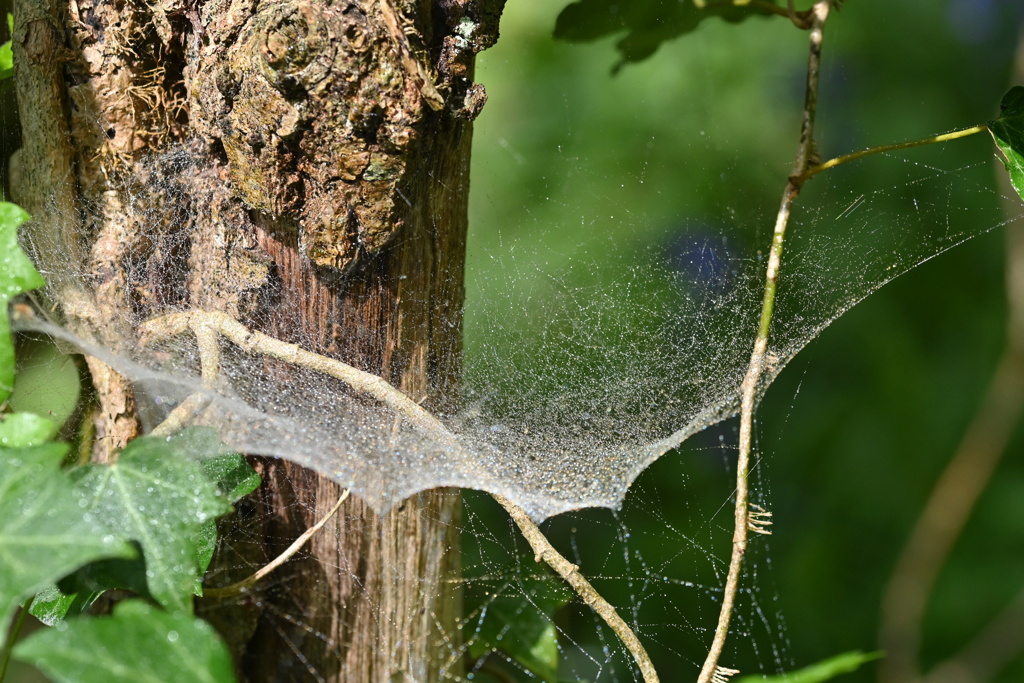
(302, 166)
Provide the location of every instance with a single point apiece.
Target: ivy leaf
(52, 605)
(647, 23)
(138, 644)
(43, 533)
(517, 620)
(825, 670)
(46, 381)
(228, 472)
(157, 494)
(6, 56)
(233, 476)
(74, 594)
(17, 275)
(22, 430)
(1008, 133)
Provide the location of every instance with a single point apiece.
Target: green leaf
(647, 23)
(52, 605)
(227, 472)
(138, 644)
(1008, 133)
(22, 430)
(825, 670)
(46, 381)
(43, 533)
(17, 275)
(6, 56)
(157, 494)
(75, 593)
(233, 476)
(517, 620)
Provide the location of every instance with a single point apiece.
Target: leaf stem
(12, 637)
(853, 156)
(752, 381)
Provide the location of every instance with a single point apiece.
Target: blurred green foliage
(647, 23)
(832, 667)
(693, 145)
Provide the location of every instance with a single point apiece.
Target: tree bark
(302, 166)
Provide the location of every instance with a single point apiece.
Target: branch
(247, 583)
(175, 324)
(944, 516)
(543, 550)
(202, 322)
(711, 669)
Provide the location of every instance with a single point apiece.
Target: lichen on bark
(316, 105)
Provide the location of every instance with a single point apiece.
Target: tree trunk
(302, 166)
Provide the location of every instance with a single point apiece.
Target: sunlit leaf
(157, 494)
(233, 476)
(6, 56)
(138, 644)
(825, 670)
(43, 533)
(1008, 133)
(17, 275)
(227, 472)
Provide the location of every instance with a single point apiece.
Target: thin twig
(853, 156)
(256, 342)
(182, 414)
(543, 550)
(752, 380)
(247, 583)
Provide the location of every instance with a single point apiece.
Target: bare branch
(544, 551)
(246, 584)
(752, 380)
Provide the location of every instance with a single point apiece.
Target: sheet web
(583, 378)
(577, 380)
(588, 358)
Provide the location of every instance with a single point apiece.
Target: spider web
(610, 316)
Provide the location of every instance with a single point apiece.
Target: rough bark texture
(302, 166)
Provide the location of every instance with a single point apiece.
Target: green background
(697, 141)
